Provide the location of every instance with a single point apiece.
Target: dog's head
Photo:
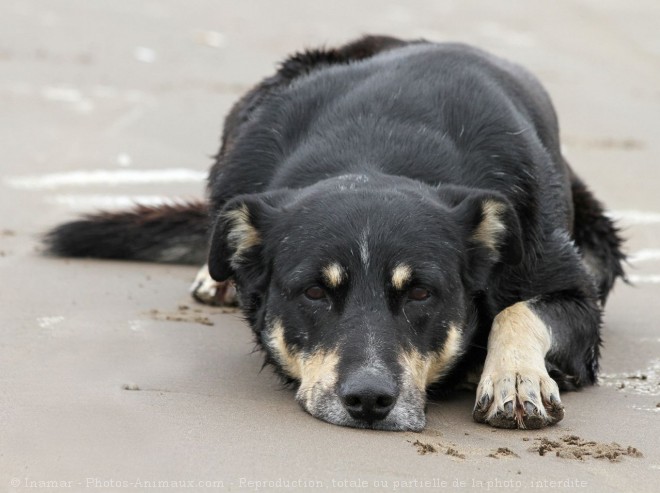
(359, 287)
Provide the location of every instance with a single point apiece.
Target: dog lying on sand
(394, 215)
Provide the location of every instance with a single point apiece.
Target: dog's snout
(368, 397)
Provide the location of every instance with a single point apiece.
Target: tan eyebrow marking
(401, 275)
(333, 274)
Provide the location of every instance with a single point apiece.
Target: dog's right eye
(418, 294)
(315, 293)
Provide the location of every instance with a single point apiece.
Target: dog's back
(438, 113)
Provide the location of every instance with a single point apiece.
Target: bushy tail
(597, 238)
(175, 233)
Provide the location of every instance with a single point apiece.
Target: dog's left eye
(315, 293)
(418, 294)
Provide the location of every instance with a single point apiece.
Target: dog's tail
(597, 238)
(172, 233)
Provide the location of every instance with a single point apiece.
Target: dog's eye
(418, 294)
(315, 293)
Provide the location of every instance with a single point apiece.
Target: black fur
(174, 233)
(398, 149)
(597, 238)
(454, 115)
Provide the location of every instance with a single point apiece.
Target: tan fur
(289, 360)
(517, 336)
(242, 234)
(401, 275)
(515, 363)
(429, 368)
(319, 375)
(333, 274)
(491, 227)
(316, 372)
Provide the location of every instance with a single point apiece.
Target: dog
(392, 217)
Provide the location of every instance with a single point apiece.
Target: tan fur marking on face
(401, 275)
(242, 234)
(491, 227)
(333, 274)
(429, 368)
(318, 376)
(316, 372)
(289, 360)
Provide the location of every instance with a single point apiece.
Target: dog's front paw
(210, 292)
(518, 399)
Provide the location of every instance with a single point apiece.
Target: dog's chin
(407, 414)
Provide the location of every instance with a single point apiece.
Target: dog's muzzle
(367, 399)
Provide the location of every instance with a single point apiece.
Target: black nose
(367, 396)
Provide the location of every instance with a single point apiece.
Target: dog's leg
(516, 389)
(210, 292)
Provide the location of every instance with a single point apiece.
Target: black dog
(388, 210)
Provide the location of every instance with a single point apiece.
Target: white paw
(515, 390)
(210, 292)
(526, 398)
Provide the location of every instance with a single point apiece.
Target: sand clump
(424, 448)
(182, 315)
(503, 452)
(576, 448)
(454, 453)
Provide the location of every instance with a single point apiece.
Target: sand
(113, 379)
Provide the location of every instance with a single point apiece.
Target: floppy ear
(238, 235)
(493, 232)
(492, 224)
